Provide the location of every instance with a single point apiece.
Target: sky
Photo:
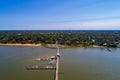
(59, 14)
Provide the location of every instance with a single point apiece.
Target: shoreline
(52, 46)
(21, 45)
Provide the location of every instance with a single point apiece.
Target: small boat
(52, 62)
(37, 59)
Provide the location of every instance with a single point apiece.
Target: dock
(55, 67)
(57, 64)
(40, 68)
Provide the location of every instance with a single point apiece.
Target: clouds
(89, 25)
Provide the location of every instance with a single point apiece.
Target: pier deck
(40, 68)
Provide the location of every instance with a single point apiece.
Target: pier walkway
(57, 64)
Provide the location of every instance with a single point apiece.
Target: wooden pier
(40, 68)
(57, 64)
(56, 68)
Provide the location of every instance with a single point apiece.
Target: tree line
(70, 38)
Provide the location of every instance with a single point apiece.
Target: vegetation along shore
(65, 38)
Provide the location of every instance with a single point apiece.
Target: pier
(57, 64)
(40, 68)
(55, 67)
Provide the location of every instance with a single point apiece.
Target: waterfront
(75, 63)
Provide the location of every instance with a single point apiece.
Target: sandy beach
(52, 46)
(21, 45)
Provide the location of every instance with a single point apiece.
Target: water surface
(75, 64)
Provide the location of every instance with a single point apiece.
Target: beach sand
(20, 45)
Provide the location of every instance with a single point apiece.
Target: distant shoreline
(52, 46)
(21, 45)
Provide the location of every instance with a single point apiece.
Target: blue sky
(59, 14)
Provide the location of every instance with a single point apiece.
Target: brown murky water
(75, 64)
